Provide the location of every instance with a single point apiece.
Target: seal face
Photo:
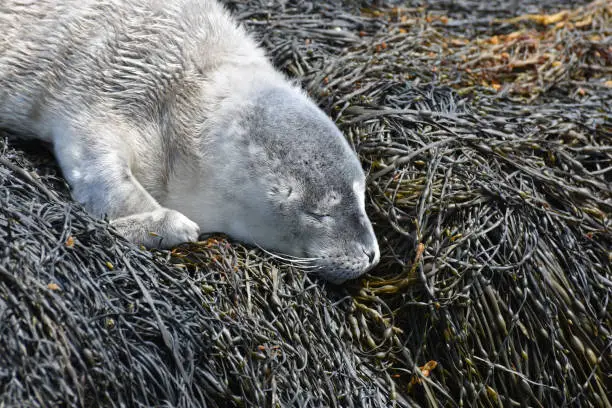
(167, 118)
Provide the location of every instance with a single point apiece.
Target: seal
(168, 118)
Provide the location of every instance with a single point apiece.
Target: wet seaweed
(486, 135)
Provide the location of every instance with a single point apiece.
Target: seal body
(166, 117)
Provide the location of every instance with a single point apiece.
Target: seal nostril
(371, 254)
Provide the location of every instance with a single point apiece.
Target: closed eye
(318, 216)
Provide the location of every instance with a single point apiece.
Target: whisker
(295, 261)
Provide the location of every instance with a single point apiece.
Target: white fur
(166, 117)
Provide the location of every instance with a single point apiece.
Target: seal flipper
(161, 228)
(98, 172)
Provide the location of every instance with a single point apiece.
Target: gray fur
(166, 117)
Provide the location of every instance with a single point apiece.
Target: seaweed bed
(486, 132)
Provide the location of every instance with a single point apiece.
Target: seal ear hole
(281, 191)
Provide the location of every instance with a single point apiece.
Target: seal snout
(368, 243)
(373, 254)
(370, 254)
(351, 261)
(373, 257)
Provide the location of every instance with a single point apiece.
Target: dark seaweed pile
(87, 319)
(487, 139)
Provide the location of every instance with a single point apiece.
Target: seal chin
(338, 267)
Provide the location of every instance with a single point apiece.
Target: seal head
(285, 178)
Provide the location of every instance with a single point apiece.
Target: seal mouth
(338, 269)
(334, 268)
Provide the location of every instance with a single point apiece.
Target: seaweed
(486, 135)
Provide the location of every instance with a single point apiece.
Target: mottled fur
(166, 117)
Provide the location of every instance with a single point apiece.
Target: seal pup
(167, 117)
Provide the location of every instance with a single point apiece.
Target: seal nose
(371, 255)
